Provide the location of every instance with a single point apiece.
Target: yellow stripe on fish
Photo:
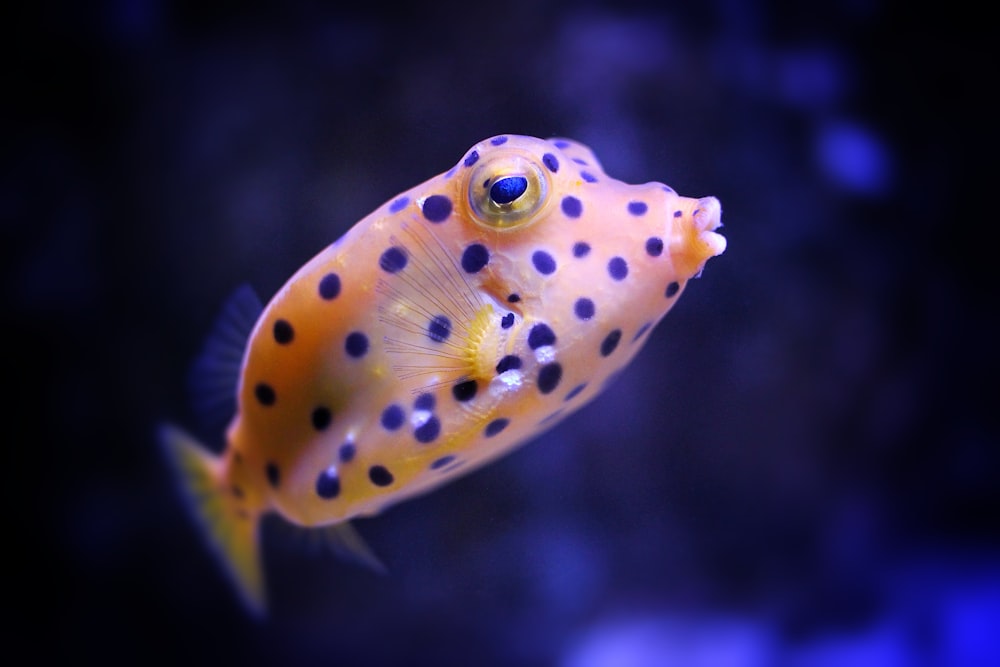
(456, 321)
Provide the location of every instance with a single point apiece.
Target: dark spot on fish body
(437, 208)
(329, 287)
(548, 377)
(464, 391)
(610, 342)
(393, 260)
(328, 484)
(618, 268)
(439, 328)
(442, 462)
(541, 335)
(496, 426)
(428, 431)
(321, 418)
(475, 257)
(392, 417)
(509, 362)
(283, 332)
(273, 474)
(380, 475)
(347, 452)
(265, 394)
(356, 344)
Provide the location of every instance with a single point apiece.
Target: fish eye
(506, 191)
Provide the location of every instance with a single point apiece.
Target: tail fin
(231, 531)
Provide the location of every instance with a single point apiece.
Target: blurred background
(801, 468)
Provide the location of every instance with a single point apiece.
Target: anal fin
(345, 541)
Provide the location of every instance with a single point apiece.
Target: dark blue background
(802, 467)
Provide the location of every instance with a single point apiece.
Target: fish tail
(231, 530)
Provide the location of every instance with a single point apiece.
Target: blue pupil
(507, 189)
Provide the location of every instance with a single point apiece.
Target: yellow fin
(436, 323)
(232, 533)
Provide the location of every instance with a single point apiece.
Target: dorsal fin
(215, 373)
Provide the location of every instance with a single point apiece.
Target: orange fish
(455, 322)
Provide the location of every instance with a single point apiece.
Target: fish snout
(696, 240)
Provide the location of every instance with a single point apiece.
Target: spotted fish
(453, 323)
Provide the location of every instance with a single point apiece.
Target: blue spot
(610, 342)
(439, 329)
(654, 246)
(444, 460)
(347, 452)
(464, 391)
(513, 298)
(328, 484)
(575, 391)
(329, 286)
(495, 426)
(587, 176)
(393, 260)
(399, 204)
(548, 377)
(424, 402)
(498, 141)
(507, 321)
(508, 189)
(584, 308)
(437, 208)
(356, 344)
(392, 417)
(428, 431)
(571, 206)
(637, 207)
(380, 476)
(544, 262)
(667, 188)
(475, 257)
(540, 336)
(672, 289)
(560, 143)
(508, 363)
(273, 475)
(618, 268)
(678, 214)
(472, 159)
(581, 249)
(580, 162)
(551, 162)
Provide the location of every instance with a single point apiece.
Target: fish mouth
(707, 217)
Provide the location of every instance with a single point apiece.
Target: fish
(458, 320)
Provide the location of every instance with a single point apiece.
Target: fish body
(453, 323)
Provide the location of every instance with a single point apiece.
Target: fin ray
(215, 374)
(345, 541)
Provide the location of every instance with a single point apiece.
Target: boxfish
(455, 322)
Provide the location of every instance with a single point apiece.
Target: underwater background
(802, 468)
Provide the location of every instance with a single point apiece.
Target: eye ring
(507, 191)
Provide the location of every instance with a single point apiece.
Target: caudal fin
(231, 531)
